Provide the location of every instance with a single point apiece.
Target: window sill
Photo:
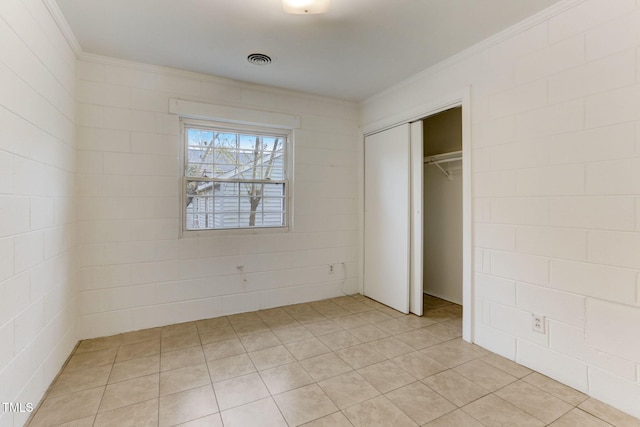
(233, 232)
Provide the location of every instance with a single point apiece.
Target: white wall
(556, 190)
(556, 173)
(442, 264)
(37, 206)
(442, 251)
(135, 271)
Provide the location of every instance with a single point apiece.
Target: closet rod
(436, 162)
(443, 158)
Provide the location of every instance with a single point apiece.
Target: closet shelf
(437, 159)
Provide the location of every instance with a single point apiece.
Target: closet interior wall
(442, 275)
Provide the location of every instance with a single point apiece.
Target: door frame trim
(459, 98)
(416, 219)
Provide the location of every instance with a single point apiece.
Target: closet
(442, 226)
(413, 212)
(417, 208)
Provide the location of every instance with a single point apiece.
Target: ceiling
(356, 50)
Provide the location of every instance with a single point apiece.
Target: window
(234, 177)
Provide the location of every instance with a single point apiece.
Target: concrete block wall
(37, 204)
(136, 270)
(555, 137)
(556, 199)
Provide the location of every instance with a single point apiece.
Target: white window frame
(287, 134)
(235, 116)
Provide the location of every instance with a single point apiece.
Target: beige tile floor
(340, 362)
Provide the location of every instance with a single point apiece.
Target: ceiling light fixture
(305, 7)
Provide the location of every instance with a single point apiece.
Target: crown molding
(497, 38)
(477, 48)
(63, 25)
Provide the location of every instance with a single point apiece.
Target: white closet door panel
(417, 207)
(386, 217)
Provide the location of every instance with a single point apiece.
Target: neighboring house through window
(234, 176)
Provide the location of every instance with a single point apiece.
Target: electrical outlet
(538, 323)
(331, 269)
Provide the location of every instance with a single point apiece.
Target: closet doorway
(413, 212)
(442, 201)
(402, 250)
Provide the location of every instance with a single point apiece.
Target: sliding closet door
(417, 207)
(386, 217)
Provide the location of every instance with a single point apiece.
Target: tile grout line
(250, 325)
(206, 363)
(95, 418)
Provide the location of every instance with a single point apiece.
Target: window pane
(237, 160)
(199, 205)
(230, 220)
(225, 155)
(234, 205)
(248, 142)
(199, 188)
(199, 137)
(199, 153)
(227, 189)
(273, 205)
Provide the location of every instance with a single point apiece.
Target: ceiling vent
(259, 59)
